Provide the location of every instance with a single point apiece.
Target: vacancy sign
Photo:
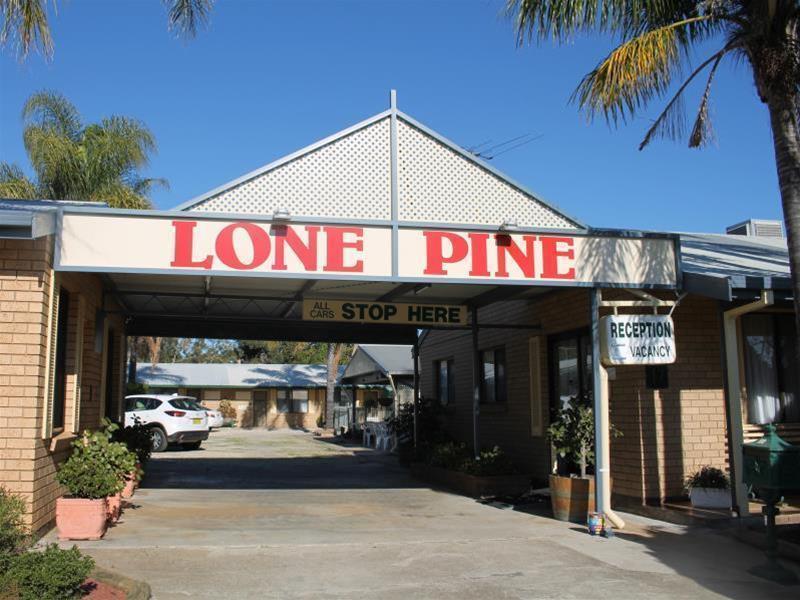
(637, 340)
(353, 311)
(154, 243)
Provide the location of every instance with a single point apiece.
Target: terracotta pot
(572, 498)
(114, 507)
(130, 486)
(81, 519)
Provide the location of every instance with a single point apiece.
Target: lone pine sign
(162, 244)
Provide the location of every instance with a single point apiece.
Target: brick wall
(27, 461)
(666, 433)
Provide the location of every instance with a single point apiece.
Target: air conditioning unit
(758, 228)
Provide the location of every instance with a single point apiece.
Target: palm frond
(143, 186)
(25, 25)
(634, 73)
(186, 16)
(670, 122)
(15, 184)
(58, 161)
(53, 112)
(119, 195)
(702, 131)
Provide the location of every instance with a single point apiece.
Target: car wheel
(191, 445)
(159, 439)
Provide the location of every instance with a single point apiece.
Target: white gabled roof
(349, 176)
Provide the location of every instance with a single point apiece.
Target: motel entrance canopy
(384, 211)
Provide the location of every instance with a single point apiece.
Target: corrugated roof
(232, 375)
(393, 360)
(715, 265)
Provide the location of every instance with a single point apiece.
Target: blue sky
(267, 78)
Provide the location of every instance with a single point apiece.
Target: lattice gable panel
(348, 178)
(439, 185)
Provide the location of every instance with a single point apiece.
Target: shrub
(13, 533)
(93, 469)
(136, 438)
(430, 430)
(133, 389)
(52, 574)
(320, 421)
(708, 477)
(227, 409)
(491, 462)
(450, 455)
(572, 435)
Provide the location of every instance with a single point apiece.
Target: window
(60, 379)
(300, 401)
(132, 404)
(493, 376)
(445, 381)
(770, 355)
(292, 400)
(284, 400)
(571, 368)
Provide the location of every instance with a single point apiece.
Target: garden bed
(474, 486)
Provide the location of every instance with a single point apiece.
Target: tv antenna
(487, 150)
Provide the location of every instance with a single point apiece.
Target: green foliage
(430, 430)
(572, 434)
(320, 420)
(136, 438)
(118, 455)
(13, 532)
(708, 477)
(52, 574)
(98, 162)
(135, 389)
(450, 455)
(491, 462)
(96, 467)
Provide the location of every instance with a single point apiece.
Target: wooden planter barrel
(572, 498)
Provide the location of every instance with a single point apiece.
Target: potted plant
(709, 488)
(90, 479)
(138, 441)
(572, 436)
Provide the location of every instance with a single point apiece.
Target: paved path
(259, 514)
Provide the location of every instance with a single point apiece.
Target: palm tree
(655, 40)
(72, 161)
(26, 23)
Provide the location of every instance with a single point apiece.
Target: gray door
(259, 409)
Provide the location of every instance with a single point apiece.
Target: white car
(171, 419)
(215, 418)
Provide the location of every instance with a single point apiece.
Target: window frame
(294, 400)
(500, 381)
(290, 400)
(58, 416)
(449, 364)
(585, 384)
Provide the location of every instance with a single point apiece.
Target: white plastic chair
(369, 435)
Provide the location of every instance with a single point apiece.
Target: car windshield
(185, 404)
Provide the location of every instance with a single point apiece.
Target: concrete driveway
(259, 514)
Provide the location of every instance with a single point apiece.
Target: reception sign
(354, 311)
(164, 244)
(637, 340)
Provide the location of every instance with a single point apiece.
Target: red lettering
(227, 252)
(551, 254)
(524, 260)
(478, 244)
(286, 235)
(435, 251)
(184, 246)
(337, 244)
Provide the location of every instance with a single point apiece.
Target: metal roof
(225, 375)
(717, 265)
(380, 359)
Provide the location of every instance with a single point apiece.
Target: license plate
(197, 421)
